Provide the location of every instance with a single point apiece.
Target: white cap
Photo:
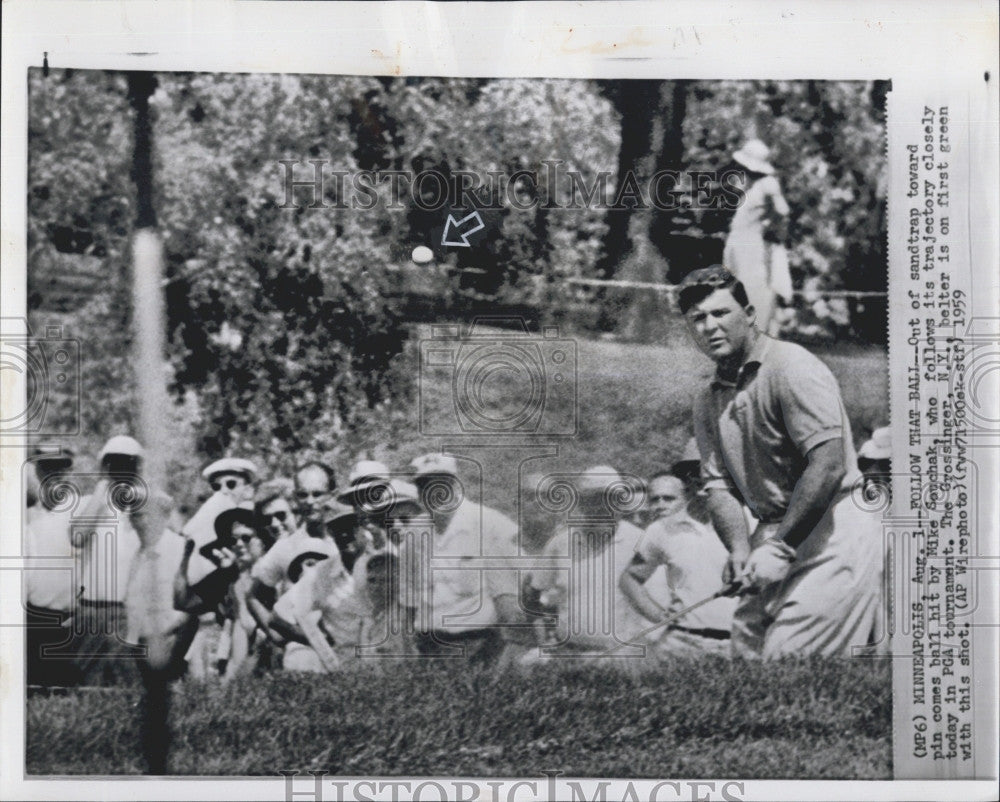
(365, 475)
(598, 479)
(367, 469)
(230, 465)
(755, 155)
(122, 444)
(430, 464)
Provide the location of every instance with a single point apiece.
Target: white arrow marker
(463, 241)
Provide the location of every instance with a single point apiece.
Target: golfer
(773, 433)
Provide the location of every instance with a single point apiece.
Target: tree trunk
(652, 114)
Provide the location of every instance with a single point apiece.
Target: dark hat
(224, 523)
(295, 567)
(53, 454)
(341, 519)
(689, 461)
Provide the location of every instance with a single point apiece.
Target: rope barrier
(670, 289)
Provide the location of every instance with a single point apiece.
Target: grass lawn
(815, 719)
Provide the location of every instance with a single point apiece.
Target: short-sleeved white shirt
(47, 536)
(694, 558)
(593, 612)
(106, 556)
(460, 596)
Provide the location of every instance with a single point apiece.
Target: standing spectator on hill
(773, 433)
(694, 558)
(755, 251)
(48, 591)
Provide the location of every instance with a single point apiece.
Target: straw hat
(755, 156)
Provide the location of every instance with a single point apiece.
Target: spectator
(231, 480)
(593, 617)
(694, 558)
(755, 251)
(875, 459)
(48, 591)
(314, 486)
(458, 611)
(107, 552)
(359, 523)
(688, 470)
(345, 619)
(314, 582)
(875, 464)
(269, 575)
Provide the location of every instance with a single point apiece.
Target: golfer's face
(666, 497)
(719, 325)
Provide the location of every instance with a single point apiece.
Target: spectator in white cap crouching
(471, 609)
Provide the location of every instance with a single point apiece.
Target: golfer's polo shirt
(446, 578)
(754, 433)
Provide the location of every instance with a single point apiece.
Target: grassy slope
(707, 719)
(633, 409)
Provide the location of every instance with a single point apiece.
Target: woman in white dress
(751, 252)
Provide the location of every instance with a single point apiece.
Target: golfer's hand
(770, 562)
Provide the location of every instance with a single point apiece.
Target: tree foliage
(285, 325)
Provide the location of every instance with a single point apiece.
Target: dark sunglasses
(229, 484)
(245, 538)
(304, 494)
(280, 516)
